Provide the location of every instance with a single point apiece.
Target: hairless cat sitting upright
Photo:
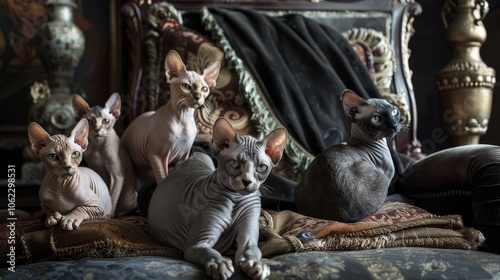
(349, 182)
(105, 155)
(157, 139)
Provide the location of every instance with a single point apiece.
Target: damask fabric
(396, 224)
(390, 263)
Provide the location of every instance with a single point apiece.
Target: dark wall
(490, 52)
(430, 53)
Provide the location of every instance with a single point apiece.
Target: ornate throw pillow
(396, 224)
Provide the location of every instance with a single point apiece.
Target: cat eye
(375, 119)
(75, 155)
(105, 121)
(395, 112)
(233, 164)
(261, 168)
(204, 89)
(185, 86)
(52, 157)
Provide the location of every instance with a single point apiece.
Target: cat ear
(80, 133)
(223, 134)
(275, 144)
(114, 104)
(351, 103)
(38, 137)
(80, 106)
(211, 73)
(173, 66)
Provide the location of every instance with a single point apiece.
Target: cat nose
(67, 168)
(246, 182)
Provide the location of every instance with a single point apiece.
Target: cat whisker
(183, 102)
(266, 190)
(379, 135)
(209, 106)
(405, 127)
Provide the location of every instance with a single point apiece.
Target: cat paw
(256, 269)
(53, 219)
(219, 268)
(70, 223)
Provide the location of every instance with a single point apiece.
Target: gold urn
(465, 85)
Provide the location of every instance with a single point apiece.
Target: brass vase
(60, 45)
(465, 85)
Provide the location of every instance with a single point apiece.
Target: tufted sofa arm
(464, 180)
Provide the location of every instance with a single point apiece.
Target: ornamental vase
(465, 84)
(60, 45)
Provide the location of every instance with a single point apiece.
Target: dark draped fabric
(302, 67)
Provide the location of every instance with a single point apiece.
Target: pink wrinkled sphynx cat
(164, 137)
(69, 194)
(105, 155)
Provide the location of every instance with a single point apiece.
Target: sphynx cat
(105, 155)
(69, 194)
(164, 137)
(348, 182)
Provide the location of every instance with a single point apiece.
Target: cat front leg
(159, 166)
(254, 268)
(53, 217)
(79, 214)
(216, 265)
(219, 268)
(200, 242)
(248, 258)
(248, 254)
(115, 188)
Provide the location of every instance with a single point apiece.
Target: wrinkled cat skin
(164, 137)
(68, 194)
(349, 182)
(205, 211)
(104, 154)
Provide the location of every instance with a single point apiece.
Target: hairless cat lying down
(69, 194)
(205, 211)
